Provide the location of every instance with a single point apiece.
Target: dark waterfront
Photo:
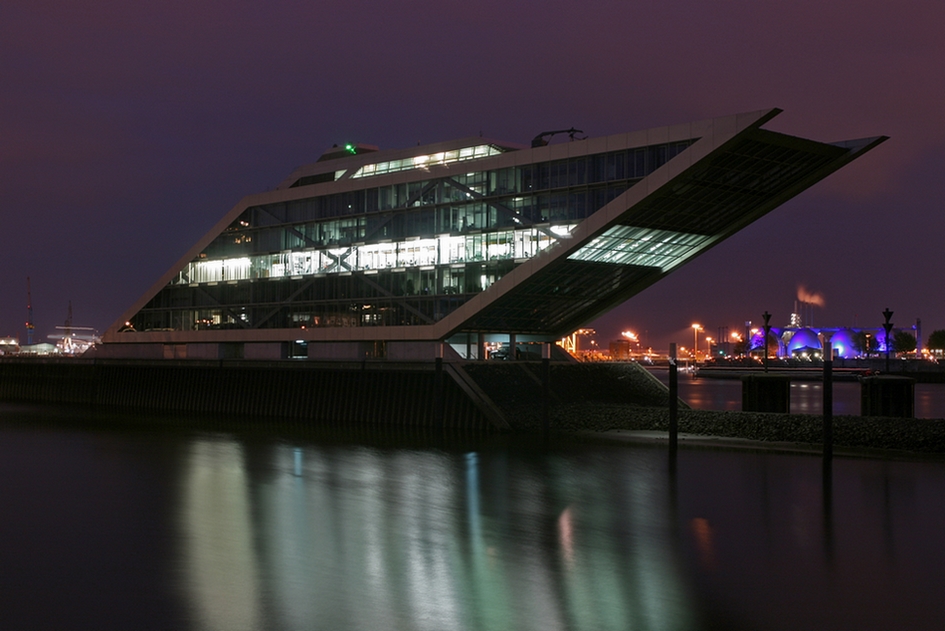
(806, 396)
(118, 523)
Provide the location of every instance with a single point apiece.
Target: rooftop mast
(544, 137)
(69, 321)
(29, 313)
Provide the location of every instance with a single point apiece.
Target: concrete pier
(766, 393)
(887, 395)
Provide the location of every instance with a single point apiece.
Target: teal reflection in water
(404, 539)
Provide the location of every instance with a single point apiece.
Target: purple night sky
(128, 129)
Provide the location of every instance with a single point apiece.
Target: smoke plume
(810, 298)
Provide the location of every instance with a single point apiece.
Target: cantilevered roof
(706, 194)
(731, 174)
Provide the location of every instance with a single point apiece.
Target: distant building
(386, 254)
(9, 346)
(620, 349)
(807, 342)
(41, 349)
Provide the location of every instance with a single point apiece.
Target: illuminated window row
(629, 245)
(262, 229)
(441, 250)
(419, 162)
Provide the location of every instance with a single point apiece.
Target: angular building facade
(389, 254)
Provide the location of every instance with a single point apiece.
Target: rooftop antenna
(69, 321)
(544, 137)
(29, 313)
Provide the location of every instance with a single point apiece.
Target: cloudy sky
(128, 129)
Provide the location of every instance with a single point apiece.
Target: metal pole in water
(673, 400)
(438, 385)
(546, 383)
(828, 398)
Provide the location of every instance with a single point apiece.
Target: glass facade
(426, 160)
(631, 245)
(400, 254)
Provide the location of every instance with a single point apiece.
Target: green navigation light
(350, 148)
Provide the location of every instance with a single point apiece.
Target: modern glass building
(369, 253)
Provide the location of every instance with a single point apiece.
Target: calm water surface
(115, 524)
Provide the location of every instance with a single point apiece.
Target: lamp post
(632, 337)
(748, 339)
(888, 326)
(695, 341)
(767, 317)
(708, 347)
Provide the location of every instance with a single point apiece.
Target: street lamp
(888, 327)
(695, 340)
(632, 337)
(736, 341)
(767, 317)
(708, 346)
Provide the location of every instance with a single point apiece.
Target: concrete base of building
(488, 396)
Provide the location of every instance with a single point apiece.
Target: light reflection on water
(389, 539)
(196, 530)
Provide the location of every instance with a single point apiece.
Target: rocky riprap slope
(925, 436)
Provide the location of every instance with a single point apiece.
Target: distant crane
(74, 340)
(69, 321)
(29, 313)
(570, 343)
(544, 137)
